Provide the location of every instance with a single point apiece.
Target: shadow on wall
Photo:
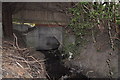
(41, 38)
(51, 43)
(45, 38)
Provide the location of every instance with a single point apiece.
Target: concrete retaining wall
(41, 13)
(38, 38)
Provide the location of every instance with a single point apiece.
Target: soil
(91, 60)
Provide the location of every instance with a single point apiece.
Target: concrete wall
(38, 38)
(41, 13)
(20, 27)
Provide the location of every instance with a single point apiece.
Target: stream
(56, 69)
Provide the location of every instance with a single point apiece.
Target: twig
(40, 66)
(16, 57)
(30, 61)
(16, 42)
(35, 60)
(89, 72)
(19, 65)
(93, 36)
(48, 76)
(86, 7)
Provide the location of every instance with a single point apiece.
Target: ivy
(86, 15)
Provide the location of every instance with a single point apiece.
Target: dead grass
(19, 63)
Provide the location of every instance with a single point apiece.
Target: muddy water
(56, 69)
(54, 66)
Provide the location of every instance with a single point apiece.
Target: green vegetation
(86, 16)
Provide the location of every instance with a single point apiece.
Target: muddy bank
(94, 57)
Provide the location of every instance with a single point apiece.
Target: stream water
(56, 69)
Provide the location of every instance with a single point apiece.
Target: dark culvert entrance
(54, 65)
